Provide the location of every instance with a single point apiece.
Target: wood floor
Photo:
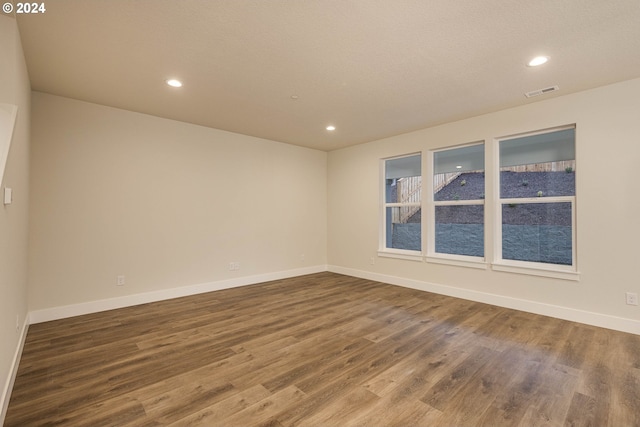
(324, 350)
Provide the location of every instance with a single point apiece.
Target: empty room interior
(320, 213)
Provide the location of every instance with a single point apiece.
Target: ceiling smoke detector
(541, 91)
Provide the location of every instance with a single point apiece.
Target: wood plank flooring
(324, 350)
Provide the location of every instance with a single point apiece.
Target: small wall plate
(8, 196)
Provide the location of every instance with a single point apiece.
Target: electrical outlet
(120, 281)
(372, 260)
(234, 266)
(632, 298)
(301, 257)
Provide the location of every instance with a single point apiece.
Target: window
(457, 220)
(525, 224)
(536, 207)
(402, 204)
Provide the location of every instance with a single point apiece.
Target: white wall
(608, 182)
(15, 90)
(164, 203)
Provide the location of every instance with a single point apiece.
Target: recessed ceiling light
(294, 97)
(459, 167)
(331, 127)
(538, 60)
(174, 83)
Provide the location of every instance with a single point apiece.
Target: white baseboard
(38, 316)
(565, 313)
(11, 379)
(55, 313)
(581, 316)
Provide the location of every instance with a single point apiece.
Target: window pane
(402, 167)
(403, 228)
(460, 230)
(541, 165)
(459, 173)
(462, 159)
(403, 179)
(540, 148)
(537, 232)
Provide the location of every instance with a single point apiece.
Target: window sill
(401, 254)
(470, 262)
(537, 271)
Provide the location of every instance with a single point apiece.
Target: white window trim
(528, 267)
(493, 241)
(458, 260)
(535, 269)
(443, 258)
(400, 254)
(383, 250)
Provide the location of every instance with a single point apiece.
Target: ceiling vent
(541, 91)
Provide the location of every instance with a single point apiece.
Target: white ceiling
(373, 68)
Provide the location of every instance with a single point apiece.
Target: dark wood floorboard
(324, 350)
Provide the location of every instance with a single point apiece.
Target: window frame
(441, 257)
(383, 250)
(492, 221)
(569, 272)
